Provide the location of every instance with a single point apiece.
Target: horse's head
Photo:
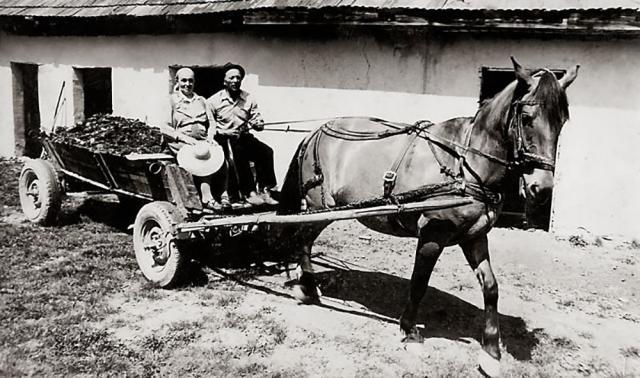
(539, 109)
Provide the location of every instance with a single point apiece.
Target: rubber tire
(49, 192)
(162, 215)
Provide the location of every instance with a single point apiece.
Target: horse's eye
(527, 120)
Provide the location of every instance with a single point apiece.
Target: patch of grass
(525, 297)
(10, 173)
(635, 244)
(564, 343)
(585, 335)
(185, 325)
(239, 321)
(206, 295)
(277, 330)
(149, 291)
(566, 303)
(253, 369)
(630, 352)
(172, 339)
(598, 242)
(56, 283)
(229, 299)
(577, 241)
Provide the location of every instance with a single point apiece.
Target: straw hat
(201, 159)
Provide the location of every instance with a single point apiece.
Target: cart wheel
(40, 192)
(157, 251)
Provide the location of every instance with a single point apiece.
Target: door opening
(26, 109)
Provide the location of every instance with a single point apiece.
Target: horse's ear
(522, 76)
(569, 77)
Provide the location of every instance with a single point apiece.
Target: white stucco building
(404, 60)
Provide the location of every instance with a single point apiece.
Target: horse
(365, 161)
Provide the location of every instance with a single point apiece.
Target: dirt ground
(72, 302)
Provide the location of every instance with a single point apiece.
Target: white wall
(7, 140)
(379, 74)
(597, 173)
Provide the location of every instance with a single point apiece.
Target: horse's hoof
(488, 365)
(413, 338)
(302, 297)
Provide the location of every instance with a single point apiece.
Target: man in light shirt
(235, 113)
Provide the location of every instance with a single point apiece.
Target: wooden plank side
(181, 192)
(136, 176)
(81, 162)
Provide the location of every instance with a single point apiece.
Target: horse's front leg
(476, 252)
(427, 255)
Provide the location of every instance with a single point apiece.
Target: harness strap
(389, 177)
(462, 155)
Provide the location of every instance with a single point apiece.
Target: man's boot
(266, 197)
(254, 199)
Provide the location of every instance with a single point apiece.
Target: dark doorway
(515, 213)
(97, 91)
(208, 79)
(92, 92)
(26, 109)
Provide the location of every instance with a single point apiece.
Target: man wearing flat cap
(235, 113)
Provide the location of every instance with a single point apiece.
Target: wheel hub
(158, 246)
(33, 191)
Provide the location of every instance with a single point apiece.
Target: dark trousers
(246, 149)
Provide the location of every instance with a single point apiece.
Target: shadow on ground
(445, 315)
(108, 212)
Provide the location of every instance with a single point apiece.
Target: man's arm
(213, 125)
(255, 118)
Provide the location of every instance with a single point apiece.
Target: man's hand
(199, 132)
(229, 133)
(258, 126)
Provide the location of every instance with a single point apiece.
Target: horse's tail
(291, 194)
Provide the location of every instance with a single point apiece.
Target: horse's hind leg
(306, 290)
(476, 252)
(427, 253)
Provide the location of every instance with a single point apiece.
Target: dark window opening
(515, 212)
(208, 79)
(26, 109)
(493, 80)
(92, 92)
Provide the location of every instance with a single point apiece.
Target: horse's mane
(552, 98)
(496, 110)
(548, 93)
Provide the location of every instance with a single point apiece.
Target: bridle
(523, 159)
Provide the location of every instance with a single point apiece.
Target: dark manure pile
(106, 133)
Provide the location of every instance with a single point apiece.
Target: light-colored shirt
(187, 112)
(235, 115)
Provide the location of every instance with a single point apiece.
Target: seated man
(235, 112)
(191, 116)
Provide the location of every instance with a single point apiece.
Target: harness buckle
(389, 182)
